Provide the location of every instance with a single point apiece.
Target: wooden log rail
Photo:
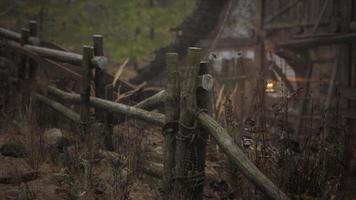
(149, 103)
(68, 113)
(11, 35)
(130, 111)
(155, 101)
(53, 54)
(152, 102)
(56, 55)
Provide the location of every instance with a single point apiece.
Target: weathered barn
(306, 50)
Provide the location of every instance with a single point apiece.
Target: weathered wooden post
(172, 117)
(33, 33)
(204, 105)
(22, 74)
(88, 54)
(187, 126)
(25, 35)
(100, 92)
(108, 119)
(32, 26)
(98, 79)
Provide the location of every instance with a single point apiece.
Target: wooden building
(308, 47)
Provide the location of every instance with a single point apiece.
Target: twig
(119, 72)
(131, 92)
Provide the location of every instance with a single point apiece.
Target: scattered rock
(13, 149)
(56, 144)
(55, 140)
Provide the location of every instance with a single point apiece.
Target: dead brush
(78, 176)
(233, 130)
(253, 143)
(70, 188)
(128, 144)
(31, 135)
(318, 169)
(26, 193)
(310, 167)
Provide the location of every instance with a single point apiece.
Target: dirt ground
(30, 172)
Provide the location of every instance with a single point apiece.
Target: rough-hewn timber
(88, 53)
(188, 108)
(100, 63)
(204, 104)
(172, 116)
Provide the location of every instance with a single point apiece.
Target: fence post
(30, 68)
(22, 75)
(32, 25)
(104, 92)
(25, 34)
(172, 116)
(108, 120)
(98, 79)
(187, 127)
(203, 103)
(88, 53)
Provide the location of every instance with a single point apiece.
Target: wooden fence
(186, 122)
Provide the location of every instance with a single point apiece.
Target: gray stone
(55, 138)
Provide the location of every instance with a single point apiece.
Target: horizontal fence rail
(70, 114)
(152, 102)
(130, 111)
(149, 103)
(11, 35)
(53, 54)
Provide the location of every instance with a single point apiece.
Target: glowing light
(271, 86)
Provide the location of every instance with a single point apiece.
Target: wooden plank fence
(186, 122)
